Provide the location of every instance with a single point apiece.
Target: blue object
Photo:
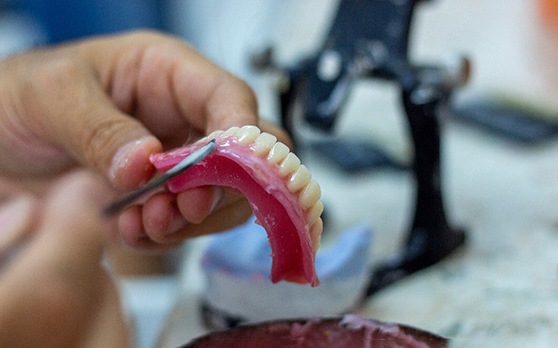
(64, 20)
(237, 267)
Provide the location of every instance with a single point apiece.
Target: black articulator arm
(430, 238)
(369, 39)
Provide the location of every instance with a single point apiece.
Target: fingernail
(177, 224)
(130, 165)
(217, 197)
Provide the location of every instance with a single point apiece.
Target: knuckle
(100, 138)
(57, 73)
(51, 83)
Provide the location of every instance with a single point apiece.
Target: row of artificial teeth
(298, 178)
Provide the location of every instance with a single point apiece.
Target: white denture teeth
(299, 179)
(314, 212)
(316, 232)
(263, 143)
(247, 134)
(310, 195)
(214, 134)
(277, 153)
(289, 165)
(296, 176)
(230, 131)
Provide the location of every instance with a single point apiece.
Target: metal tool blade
(182, 166)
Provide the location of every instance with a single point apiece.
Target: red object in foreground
(283, 197)
(351, 331)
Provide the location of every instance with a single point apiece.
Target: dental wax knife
(182, 166)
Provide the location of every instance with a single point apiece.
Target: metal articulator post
(369, 39)
(430, 238)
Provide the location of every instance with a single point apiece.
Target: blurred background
(503, 287)
(229, 31)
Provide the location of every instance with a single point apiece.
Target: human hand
(54, 291)
(107, 103)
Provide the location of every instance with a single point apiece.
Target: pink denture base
(234, 165)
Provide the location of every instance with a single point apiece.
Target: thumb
(71, 109)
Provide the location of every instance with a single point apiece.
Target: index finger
(170, 86)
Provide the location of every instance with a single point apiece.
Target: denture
(284, 197)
